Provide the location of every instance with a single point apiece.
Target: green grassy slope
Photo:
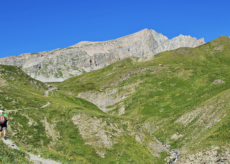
(18, 90)
(12, 156)
(177, 102)
(52, 133)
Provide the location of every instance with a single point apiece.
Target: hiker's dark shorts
(3, 127)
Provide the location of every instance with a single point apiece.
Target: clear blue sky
(42, 25)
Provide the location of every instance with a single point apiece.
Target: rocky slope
(173, 105)
(51, 124)
(61, 64)
(180, 97)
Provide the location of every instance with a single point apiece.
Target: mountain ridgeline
(61, 64)
(152, 108)
(180, 97)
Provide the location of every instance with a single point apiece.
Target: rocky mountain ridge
(61, 64)
(173, 108)
(180, 97)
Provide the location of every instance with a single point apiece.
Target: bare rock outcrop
(103, 133)
(61, 64)
(209, 156)
(109, 97)
(97, 132)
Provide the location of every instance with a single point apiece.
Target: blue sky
(43, 25)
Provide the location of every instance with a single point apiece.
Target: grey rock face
(61, 64)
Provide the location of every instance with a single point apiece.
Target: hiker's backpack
(2, 119)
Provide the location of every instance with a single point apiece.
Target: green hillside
(178, 98)
(173, 96)
(67, 129)
(12, 156)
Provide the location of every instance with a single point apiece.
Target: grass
(9, 155)
(178, 98)
(50, 131)
(167, 93)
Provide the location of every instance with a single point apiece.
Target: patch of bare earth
(210, 156)
(109, 97)
(3, 82)
(97, 132)
(207, 115)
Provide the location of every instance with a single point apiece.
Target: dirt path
(45, 105)
(46, 93)
(33, 158)
(8, 111)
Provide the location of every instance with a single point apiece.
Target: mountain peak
(86, 56)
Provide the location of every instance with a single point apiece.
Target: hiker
(3, 124)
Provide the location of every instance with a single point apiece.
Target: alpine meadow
(163, 104)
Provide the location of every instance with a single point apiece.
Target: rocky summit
(170, 109)
(61, 64)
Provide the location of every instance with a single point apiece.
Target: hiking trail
(8, 111)
(33, 158)
(46, 93)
